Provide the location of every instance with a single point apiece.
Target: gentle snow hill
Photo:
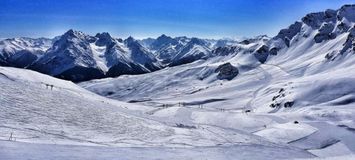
(52, 119)
(21, 151)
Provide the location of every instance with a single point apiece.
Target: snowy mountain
(294, 89)
(290, 96)
(195, 49)
(181, 50)
(21, 52)
(77, 56)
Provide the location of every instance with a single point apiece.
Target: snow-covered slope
(52, 113)
(295, 88)
(288, 96)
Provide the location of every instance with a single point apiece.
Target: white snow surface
(320, 92)
(297, 105)
(44, 122)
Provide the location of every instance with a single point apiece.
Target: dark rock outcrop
(227, 71)
(262, 53)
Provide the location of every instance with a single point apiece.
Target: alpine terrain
(79, 96)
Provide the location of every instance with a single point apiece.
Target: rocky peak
(347, 12)
(164, 37)
(287, 34)
(73, 33)
(130, 39)
(72, 36)
(130, 42)
(162, 41)
(315, 20)
(104, 39)
(197, 41)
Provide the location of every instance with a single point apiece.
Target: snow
(67, 118)
(320, 119)
(338, 149)
(22, 151)
(296, 104)
(99, 56)
(18, 44)
(286, 132)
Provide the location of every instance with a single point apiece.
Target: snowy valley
(78, 96)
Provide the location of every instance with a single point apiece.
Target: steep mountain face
(315, 30)
(195, 49)
(71, 57)
(181, 50)
(134, 60)
(166, 48)
(76, 56)
(319, 29)
(21, 52)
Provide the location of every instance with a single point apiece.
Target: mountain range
(77, 56)
(290, 96)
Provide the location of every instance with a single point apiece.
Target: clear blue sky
(151, 18)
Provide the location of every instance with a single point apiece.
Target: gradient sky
(151, 18)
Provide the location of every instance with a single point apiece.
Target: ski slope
(298, 98)
(47, 118)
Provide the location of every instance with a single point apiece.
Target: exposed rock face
(262, 53)
(224, 51)
(78, 57)
(290, 32)
(325, 33)
(227, 71)
(194, 50)
(315, 20)
(162, 41)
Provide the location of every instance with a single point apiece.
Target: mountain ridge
(74, 55)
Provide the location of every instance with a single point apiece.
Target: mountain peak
(348, 12)
(315, 20)
(163, 40)
(103, 35)
(73, 33)
(198, 41)
(130, 39)
(104, 38)
(164, 37)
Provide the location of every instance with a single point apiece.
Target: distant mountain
(181, 50)
(21, 52)
(76, 56)
(195, 49)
